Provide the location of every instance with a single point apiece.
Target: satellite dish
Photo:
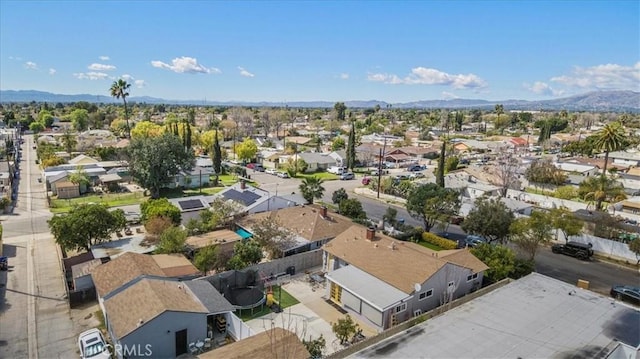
(417, 287)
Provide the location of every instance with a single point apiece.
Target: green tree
(566, 192)
(160, 207)
(206, 259)
(79, 177)
(273, 237)
(315, 347)
(352, 208)
(338, 195)
(247, 150)
(600, 189)
(120, 90)
(390, 216)
(634, 246)
(528, 233)
(500, 260)
(351, 148)
(344, 329)
(544, 172)
(69, 141)
(217, 156)
(172, 240)
(79, 119)
(337, 144)
(431, 204)
(155, 161)
(440, 169)
(451, 164)
(567, 222)
(85, 225)
(610, 138)
(245, 253)
(310, 188)
(489, 218)
(36, 127)
(341, 111)
(45, 118)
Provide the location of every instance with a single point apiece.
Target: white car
(271, 171)
(283, 175)
(92, 345)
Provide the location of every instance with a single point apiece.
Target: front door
(336, 293)
(181, 342)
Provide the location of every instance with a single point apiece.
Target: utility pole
(382, 152)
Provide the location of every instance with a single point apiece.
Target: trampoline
(246, 298)
(243, 289)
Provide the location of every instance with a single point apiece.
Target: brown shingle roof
(219, 237)
(147, 299)
(271, 344)
(123, 269)
(401, 267)
(304, 221)
(175, 265)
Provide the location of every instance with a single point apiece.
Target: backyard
(281, 295)
(109, 199)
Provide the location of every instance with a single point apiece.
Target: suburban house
(312, 226)
(224, 239)
(67, 190)
(271, 344)
(190, 207)
(470, 186)
(624, 158)
(340, 157)
(194, 178)
(575, 168)
(519, 142)
(83, 160)
(386, 282)
(315, 161)
(629, 206)
(110, 181)
(250, 199)
(93, 171)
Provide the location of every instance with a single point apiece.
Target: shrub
(439, 241)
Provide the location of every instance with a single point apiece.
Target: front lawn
(281, 295)
(110, 199)
(430, 246)
(325, 176)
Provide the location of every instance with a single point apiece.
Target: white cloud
(15, 58)
(52, 71)
(104, 58)
(127, 77)
(30, 65)
(448, 95)
(542, 88)
(428, 76)
(91, 75)
(185, 64)
(140, 83)
(101, 67)
(344, 76)
(244, 72)
(601, 77)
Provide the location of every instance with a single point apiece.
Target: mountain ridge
(611, 100)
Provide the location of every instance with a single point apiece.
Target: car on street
(92, 345)
(574, 249)
(401, 177)
(347, 176)
(132, 217)
(626, 293)
(271, 171)
(473, 241)
(283, 175)
(376, 172)
(416, 167)
(415, 175)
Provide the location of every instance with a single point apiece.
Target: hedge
(439, 241)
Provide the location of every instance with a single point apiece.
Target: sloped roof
(122, 270)
(400, 264)
(175, 265)
(271, 344)
(82, 159)
(145, 300)
(305, 221)
(211, 238)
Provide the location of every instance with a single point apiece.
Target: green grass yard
(430, 246)
(325, 176)
(286, 300)
(110, 199)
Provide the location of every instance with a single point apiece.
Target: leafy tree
(610, 138)
(146, 129)
(120, 89)
(69, 141)
(352, 208)
(293, 167)
(530, 232)
(341, 111)
(155, 161)
(431, 203)
(85, 225)
(245, 253)
(315, 347)
(36, 127)
(79, 119)
(206, 259)
(543, 171)
(217, 156)
(440, 169)
(500, 260)
(337, 144)
(586, 147)
(160, 207)
(311, 187)
(45, 118)
(599, 189)
(344, 329)
(351, 147)
(274, 238)
(634, 246)
(567, 222)
(172, 240)
(489, 218)
(566, 192)
(451, 164)
(339, 195)
(390, 216)
(157, 224)
(247, 150)
(79, 177)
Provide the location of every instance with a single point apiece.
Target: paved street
(33, 308)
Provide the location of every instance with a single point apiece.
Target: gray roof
(367, 287)
(210, 297)
(314, 157)
(533, 317)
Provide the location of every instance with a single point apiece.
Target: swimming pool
(244, 234)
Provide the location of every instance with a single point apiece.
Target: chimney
(371, 232)
(323, 211)
(243, 186)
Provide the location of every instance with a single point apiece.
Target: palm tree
(601, 188)
(120, 89)
(609, 138)
(311, 187)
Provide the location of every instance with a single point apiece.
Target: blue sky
(397, 51)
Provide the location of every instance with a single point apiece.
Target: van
(337, 170)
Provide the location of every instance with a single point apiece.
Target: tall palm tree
(601, 188)
(311, 187)
(120, 89)
(609, 138)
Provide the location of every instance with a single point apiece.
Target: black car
(626, 293)
(416, 168)
(574, 249)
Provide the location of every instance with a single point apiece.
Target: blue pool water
(244, 234)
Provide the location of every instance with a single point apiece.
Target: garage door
(372, 313)
(351, 301)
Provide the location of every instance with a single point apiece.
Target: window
(401, 308)
(472, 277)
(425, 295)
(451, 287)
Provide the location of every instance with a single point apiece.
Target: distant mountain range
(615, 101)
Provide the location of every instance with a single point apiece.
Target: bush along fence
(439, 241)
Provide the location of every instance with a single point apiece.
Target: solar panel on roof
(246, 197)
(190, 204)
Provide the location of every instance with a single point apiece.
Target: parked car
(415, 175)
(271, 171)
(92, 345)
(258, 167)
(132, 217)
(416, 167)
(337, 170)
(474, 241)
(401, 177)
(626, 293)
(283, 175)
(347, 176)
(376, 172)
(574, 249)
(366, 180)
